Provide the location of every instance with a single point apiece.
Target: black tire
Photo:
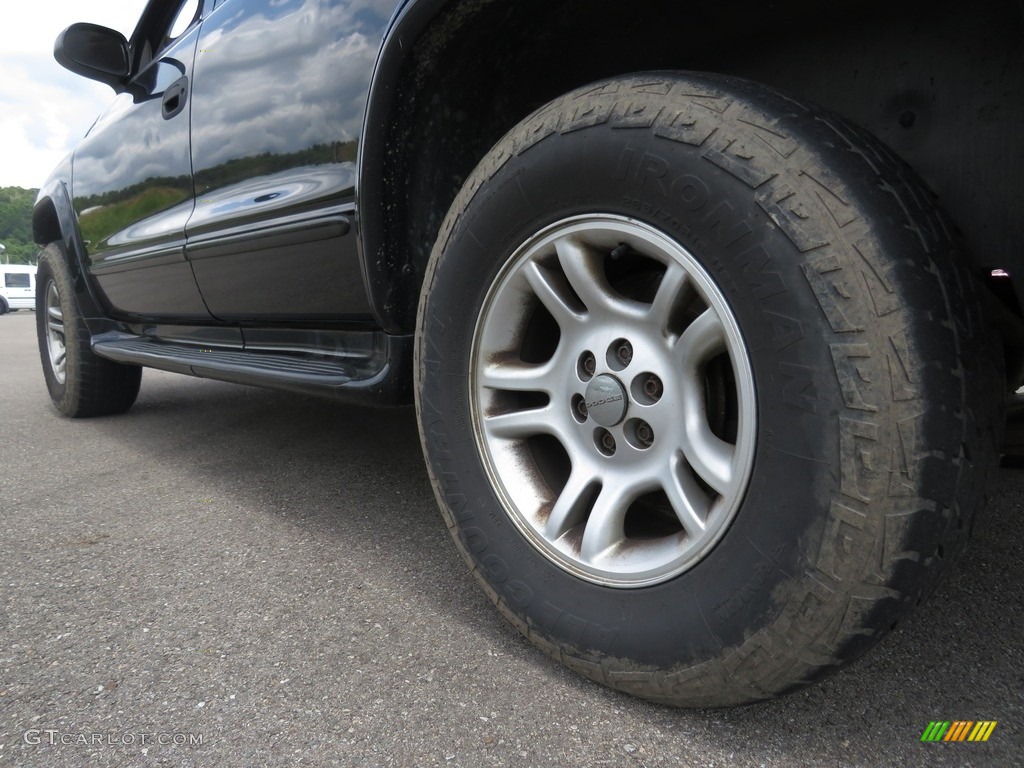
(878, 385)
(4, 309)
(88, 385)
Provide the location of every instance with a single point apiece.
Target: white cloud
(44, 109)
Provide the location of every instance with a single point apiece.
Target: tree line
(16, 225)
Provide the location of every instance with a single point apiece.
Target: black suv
(708, 382)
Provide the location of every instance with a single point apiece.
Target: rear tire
(871, 416)
(80, 382)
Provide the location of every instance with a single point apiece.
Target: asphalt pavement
(227, 576)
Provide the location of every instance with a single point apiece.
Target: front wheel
(80, 382)
(693, 386)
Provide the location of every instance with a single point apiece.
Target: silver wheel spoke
(584, 274)
(687, 498)
(670, 290)
(704, 338)
(552, 297)
(710, 457)
(520, 377)
(571, 504)
(520, 424)
(606, 525)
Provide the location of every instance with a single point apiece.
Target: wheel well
(45, 224)
(480, 66)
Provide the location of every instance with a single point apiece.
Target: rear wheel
(80, 382)
(694, 390)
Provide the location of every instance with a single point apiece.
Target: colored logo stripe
(958, 730)
(982, 730)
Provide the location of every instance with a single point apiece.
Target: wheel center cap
(606, 400)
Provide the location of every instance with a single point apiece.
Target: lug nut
(652, 387)
(644, 434)
(624, 353)
(579, 408)
(587, 366)
(605, 442)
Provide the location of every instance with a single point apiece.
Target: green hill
(16, 225)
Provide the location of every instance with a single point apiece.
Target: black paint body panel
(132, 191)
(277, 107)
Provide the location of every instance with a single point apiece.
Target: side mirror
(94, 52)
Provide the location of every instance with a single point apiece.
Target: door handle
(174, 98)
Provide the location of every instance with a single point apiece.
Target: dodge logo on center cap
(606, 400)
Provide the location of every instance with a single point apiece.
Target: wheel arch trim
(409, 21)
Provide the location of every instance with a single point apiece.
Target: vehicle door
(277, 106)
(132, 180)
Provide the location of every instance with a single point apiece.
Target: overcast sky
(44, 109)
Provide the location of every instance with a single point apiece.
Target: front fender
(54, 220)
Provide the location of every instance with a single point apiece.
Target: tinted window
(12, 280)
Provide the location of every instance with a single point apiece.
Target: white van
(17, 287)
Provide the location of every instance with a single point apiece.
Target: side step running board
(381, 378)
